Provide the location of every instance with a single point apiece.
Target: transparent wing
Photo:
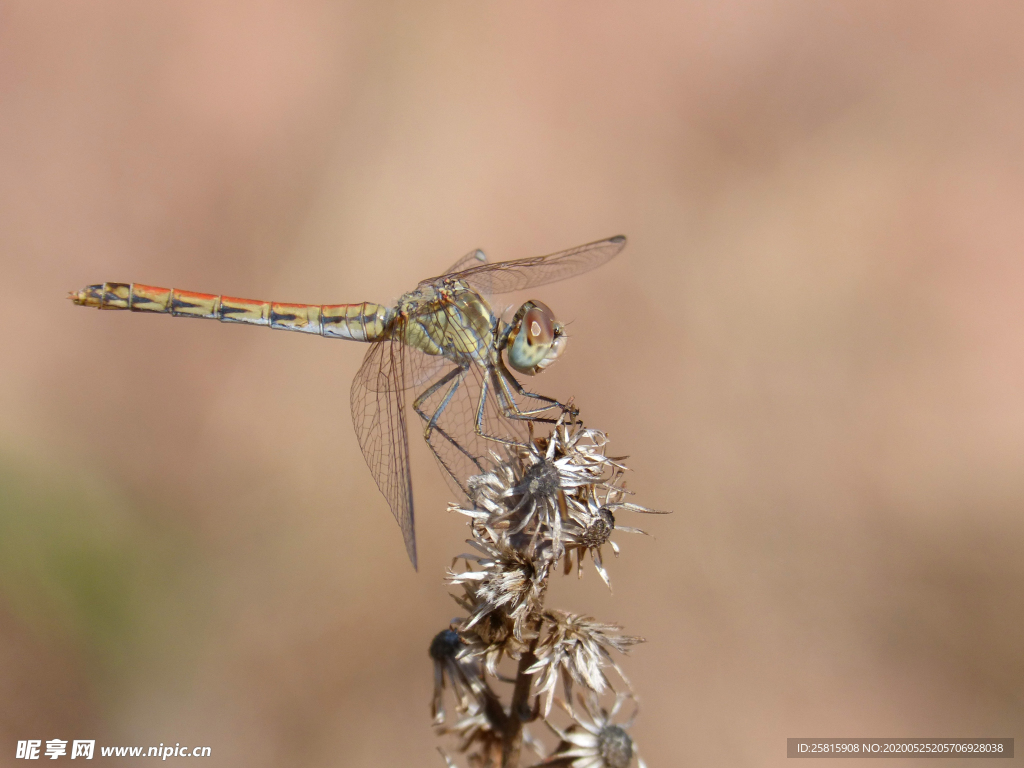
(507, 276)
(421, 368)
(472, 259)
(378, 413)
(418, 369)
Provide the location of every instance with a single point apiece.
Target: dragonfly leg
(455, 377)
(508, 406)
(485, 384)
(458, 374)
(513, 411)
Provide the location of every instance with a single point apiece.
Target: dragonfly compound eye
(536, 340)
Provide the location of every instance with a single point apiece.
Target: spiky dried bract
(539, 503)
(576, 649)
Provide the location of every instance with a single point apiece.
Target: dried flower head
(595, 742)
(489, 637)
(450, 665)
(592, 521)
(477, 736)
(480, 737)
(576, 649)
(504, 579)
(526, 492)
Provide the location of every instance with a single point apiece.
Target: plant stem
(519, 710)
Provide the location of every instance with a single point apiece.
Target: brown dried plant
(551, 500)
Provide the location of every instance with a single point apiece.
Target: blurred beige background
(812, 350)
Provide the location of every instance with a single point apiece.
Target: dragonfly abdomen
(358, 322)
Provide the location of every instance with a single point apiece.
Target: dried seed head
(614, 747)
(493, 629)
(463, 675)
(595, 741)
(598, 530)
(445, 645)
(592, 521)
(542, 479)
(489, 638)
(476, 733)
(576, 649)
(502, 578)
(526, 492)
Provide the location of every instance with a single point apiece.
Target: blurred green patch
(78, 564)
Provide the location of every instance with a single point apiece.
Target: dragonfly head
(535, 340)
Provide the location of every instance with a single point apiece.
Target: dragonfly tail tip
(90, 296)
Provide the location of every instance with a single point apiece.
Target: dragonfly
(441, 344)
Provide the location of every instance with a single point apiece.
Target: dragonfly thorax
(448, 319)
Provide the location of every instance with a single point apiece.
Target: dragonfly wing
(378, 413)
(507, 276)
(474, 258)
(418, 367)
(421, 368)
